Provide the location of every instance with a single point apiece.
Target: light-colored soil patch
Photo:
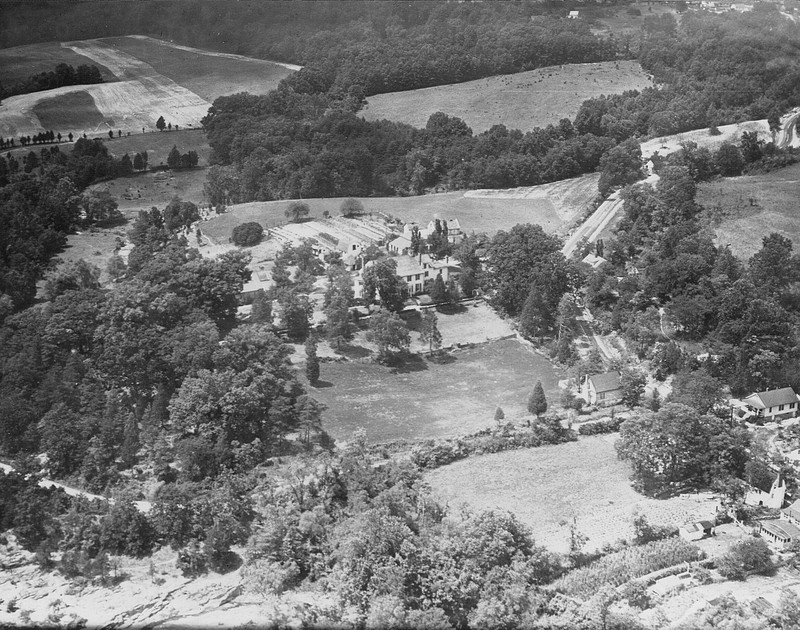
(519, 101)
(68, 111)
(476, 214)
(551, 487)
(728, 133)
(20, 62)
(428, 399)
(753, 207)
(205, 73)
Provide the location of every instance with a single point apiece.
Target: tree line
(63, 75)
(306, 138)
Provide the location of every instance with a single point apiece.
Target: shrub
(748, 556)
(247, 234)
(191, 560)
(600, 426)
(125, 530)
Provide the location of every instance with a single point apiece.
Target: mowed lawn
(523, 101)
(203, 72)
(476, 214)
(432, 400)
(20, 62)
(753, 207)
(551, 487)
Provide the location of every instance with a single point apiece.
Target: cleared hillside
(518, 101)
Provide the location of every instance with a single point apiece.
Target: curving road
(787, 136)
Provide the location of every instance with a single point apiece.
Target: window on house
(416, 277)
(791, 405)
(780, 407)
(601, 396)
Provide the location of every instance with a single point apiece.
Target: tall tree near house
(389, 333)
(416, 241)
(381, 277)
(161, 123)
(632, 383)
(438, 292)
(312, 361)
(537, 402)
(429, 332)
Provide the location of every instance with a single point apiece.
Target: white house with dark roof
(773, 403)
(415, 271)
(772, 499)
(602, 389)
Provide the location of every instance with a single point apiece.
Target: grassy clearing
(206, 75)
(68, 111)
(476, 214)
(773, 209)
(518, 101)
(141, 192)
(620, 21)
(430, 400)
(551, 487)
(159, 143)
(20, 62)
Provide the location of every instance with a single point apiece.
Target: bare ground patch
(519, 101)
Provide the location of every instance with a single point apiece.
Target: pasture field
(550, 205)
(20, 62)
(551, 487)
(205, 73)
(522, 101)
(622, 20)
(752, 207)
(159, 144)
(432, 400)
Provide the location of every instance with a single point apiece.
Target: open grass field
(20, 62)
(728, 133)
(622, 20)
(753, 207)
(205, 73)
(550, 487)
(158, 145)
(550, 205)
(518, 101)
(430, 400)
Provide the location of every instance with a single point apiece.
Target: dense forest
(306, 139)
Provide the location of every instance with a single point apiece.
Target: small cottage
(696, 530)
(773, 404)
(602, 389)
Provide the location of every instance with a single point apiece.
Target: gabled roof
(772, 398)
(606, 382)
(783, 529)
(793, 510)
(401, 242)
